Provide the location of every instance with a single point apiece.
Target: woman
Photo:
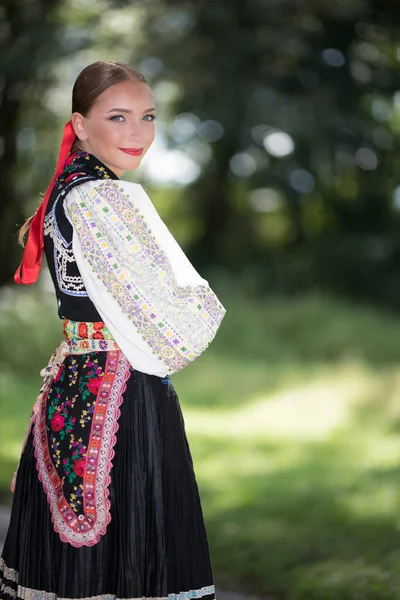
(105, 498)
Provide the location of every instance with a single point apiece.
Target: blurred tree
(35, 35)
(297, 101)
(28, 40)
(289, 111)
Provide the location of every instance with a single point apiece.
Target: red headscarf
(31, 263)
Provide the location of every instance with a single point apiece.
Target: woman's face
(119, 129)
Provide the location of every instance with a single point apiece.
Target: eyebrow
(128, 112)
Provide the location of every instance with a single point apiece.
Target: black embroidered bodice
(72, 298)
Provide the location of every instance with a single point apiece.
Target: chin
(131, 163)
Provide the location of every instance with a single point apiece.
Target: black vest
(72, 298)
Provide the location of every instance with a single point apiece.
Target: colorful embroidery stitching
(177, 322)
(77, 488)
(81, 337)
(85, 336)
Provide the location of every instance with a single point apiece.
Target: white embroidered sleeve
(159, 310)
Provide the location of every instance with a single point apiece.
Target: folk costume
(106, 503)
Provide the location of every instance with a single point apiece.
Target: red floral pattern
(94, 385)
(57, 422)
(79, 467)
(70, 406)
(74, 435)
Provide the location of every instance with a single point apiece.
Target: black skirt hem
(10, 589)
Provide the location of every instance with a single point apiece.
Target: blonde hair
(24, 230)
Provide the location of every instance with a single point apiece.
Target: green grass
(293, 417)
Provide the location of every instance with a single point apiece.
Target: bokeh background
(276, 167)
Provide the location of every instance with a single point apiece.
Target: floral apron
(75, 420)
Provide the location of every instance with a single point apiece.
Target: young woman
(105, 498)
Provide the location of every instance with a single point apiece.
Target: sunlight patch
(305, 412)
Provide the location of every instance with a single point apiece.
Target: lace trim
(73, 345)
(64, 259)
(86, 529)
(31, 594)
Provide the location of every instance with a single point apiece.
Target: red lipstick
(132, 151)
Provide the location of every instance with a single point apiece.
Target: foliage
(294, 435)
(27, 38)
(288, 111)
(354, 581)
(36, 37)
(292, 112)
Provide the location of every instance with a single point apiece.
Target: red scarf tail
(29, 269)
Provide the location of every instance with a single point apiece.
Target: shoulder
(105, 190)
(104, 185)
(117, 198)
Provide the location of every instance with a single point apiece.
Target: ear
(79, 125)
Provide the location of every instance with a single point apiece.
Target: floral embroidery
(78, 419)
(80, 338)
(177, 322)
(79, 164)
(57, 422)
(87, 336)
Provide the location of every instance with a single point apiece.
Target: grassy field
(293, 416)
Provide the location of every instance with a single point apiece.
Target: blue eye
(152, 117)
(117, 118)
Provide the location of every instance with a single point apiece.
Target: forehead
(132, 95)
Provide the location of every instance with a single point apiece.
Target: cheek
(105, 133)
(149, 136)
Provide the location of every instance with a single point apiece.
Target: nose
(135, 132)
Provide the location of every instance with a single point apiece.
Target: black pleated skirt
(155, 545)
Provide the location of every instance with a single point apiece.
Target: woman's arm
(160, 311)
